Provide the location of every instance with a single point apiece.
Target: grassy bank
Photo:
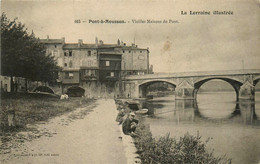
(188, 149)
(30, 108)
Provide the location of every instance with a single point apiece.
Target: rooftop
(76, 46)
(52, 41)
(100, 45)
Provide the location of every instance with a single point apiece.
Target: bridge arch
(43, 89)
(221, 78)
(233, 82)
(256, 80)
(75, 91)
(144, 85)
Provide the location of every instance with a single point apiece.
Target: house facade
(135, 61)
(97, 68)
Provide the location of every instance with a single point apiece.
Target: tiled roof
(76, 46)
(109, 51)
(108, 46)
(50, 41)
(131, 48)
(120, 47)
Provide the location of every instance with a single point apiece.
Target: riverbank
(29, 108)
(30, 111)
(164, 149)
(86, 135)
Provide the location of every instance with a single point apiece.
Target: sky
(195, 43)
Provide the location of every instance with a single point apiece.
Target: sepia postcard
(137, 81)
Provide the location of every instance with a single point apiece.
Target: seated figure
(130, 124)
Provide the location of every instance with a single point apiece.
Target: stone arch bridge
(187, 84)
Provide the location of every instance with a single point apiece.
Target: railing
(194, 74)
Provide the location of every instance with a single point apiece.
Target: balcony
(89, 77)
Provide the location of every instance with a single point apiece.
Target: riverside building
(96, 68)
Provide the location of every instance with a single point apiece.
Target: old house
(135, 61)
(97, 67)
(55, 48)
(109, 63)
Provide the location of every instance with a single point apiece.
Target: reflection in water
(234, 127)
(189, 110)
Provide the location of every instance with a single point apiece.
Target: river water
(234, 128)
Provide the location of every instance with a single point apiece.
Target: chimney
(133, 45)
(96, 41)
(124, 44)
(136, 46)
(101, 42)
(118, 42)
(63, 40)
(47, 37)
(80, 42)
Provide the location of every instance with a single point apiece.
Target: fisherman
(130, 124)
(120, 115)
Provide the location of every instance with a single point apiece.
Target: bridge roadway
(188, 83)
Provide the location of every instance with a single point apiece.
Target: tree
(23, 55)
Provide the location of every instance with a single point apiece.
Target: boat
(141, 111)
(135, 106)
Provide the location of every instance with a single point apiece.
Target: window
(140, 51)
(55, 53)
(107, 63)
(55, 46)
(129, 73)
(65, 53)
(123, 51)
(129, 51)
(112, 74)
(65, 64)
(5, 87)
(70, 53)
(89, 53)
(69, 75)
(93, 73)
(90, 73)
(89, 63)
(87, 72)
(70, 64)
(140, 73)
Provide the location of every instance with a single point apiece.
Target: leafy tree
(23, 55)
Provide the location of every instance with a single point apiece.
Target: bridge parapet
(195, 74)
(188, 83)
